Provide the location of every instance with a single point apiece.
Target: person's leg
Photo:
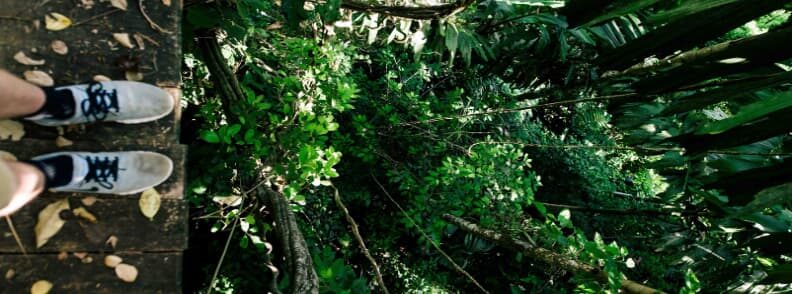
(25, 182)
(18, 97)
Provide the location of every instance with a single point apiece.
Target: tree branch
(360, 241)
(417, 12)
(546, 256)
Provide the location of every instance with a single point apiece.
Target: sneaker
(117, 101)
(112, 172)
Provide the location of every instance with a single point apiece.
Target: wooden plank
(157, 273)
(115, 217)
(94, 51)
(173, 188)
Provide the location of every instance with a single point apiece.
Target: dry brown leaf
(134, 76)
(126, 273)
(59, 47)
(274, 26)
(61, 142)
(7, 156)
(112, 241)
(41, 287)
(22, 58)
(87, 259)
(39, 78)
(166, 2)
(10, 274)
(88, 201)
(49, 221)
(56, 21)
(120, 4)
(112, 261)
(101, 78)
(141, 43)
(150, 203)
(12, 130)
(123, 39)
(80, 255)
(84, 214)
(233, 200)
(88, 4)
(63, 255)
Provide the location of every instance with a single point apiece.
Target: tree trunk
(546, 256)
(291, 243)
(297, 258)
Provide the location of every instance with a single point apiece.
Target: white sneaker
(119, 101)
(121, 173)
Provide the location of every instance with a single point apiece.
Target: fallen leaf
(56, 21)
(101, 78)
(150, 203)
(10, 274)
(141, 43)
(63, 255)
(80, 255)
(233, 200)
(112, 261)
(7, 156)
(10, 129)
(126, 273)
(39, 78)
(59, 47)
(134, 76)
(87, 260)
(88, 201)
(166, 2)
(120, 4)
(22, 58)
(274, 26)
(41, 287)
(49, 221)
(112, 241)
(123, 39)
(61, 142)
(87, 4)
(84, 214)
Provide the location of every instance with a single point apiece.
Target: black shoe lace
(102, 170)
(99, 102)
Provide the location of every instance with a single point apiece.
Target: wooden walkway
(155, 246)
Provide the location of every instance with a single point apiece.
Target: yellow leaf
(84, 214)
(10, 129)
(126, 273)
(150, 203)
(41, 287)
(56, 21)
(49, 221)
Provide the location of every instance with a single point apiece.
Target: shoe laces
(99, 102)
(102, 170)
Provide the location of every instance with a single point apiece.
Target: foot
(117, 101)
(107, 172)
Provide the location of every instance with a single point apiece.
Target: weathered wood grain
(115, 217)
(172, 188)
(94, 51)
(157, 273)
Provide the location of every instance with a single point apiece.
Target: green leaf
(767, 105)
(564, 218)
(210, 136)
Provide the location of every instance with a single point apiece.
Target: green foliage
(350, 99)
